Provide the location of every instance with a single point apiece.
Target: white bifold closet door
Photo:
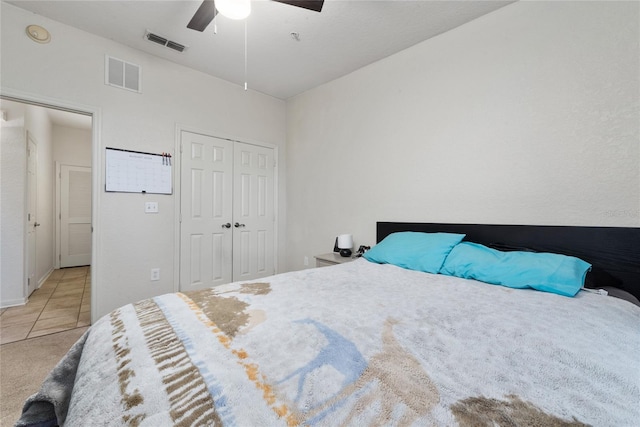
(227, 211)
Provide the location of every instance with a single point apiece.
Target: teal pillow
(413, 250)
(559, 274)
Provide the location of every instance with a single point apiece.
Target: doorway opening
(52, 203)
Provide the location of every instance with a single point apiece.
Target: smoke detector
(38, 34)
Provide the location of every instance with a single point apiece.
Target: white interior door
(253, 212)
(75, 216)
(206, 234)
(32, 224)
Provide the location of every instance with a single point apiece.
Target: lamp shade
(234, 9)
(345, 241)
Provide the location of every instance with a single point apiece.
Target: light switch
(151, 207)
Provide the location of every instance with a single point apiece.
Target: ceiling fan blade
(203, 16)
(315, 5)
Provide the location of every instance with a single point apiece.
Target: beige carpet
(25, 364)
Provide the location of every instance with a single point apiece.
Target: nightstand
(332, 258)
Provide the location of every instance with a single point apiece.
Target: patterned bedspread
(362, 344)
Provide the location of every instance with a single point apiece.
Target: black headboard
(615, 250)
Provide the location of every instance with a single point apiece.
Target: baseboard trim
(13, 302)
(44, 278)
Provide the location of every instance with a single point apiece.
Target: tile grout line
(42, 310)
(51, 296)
(56, 286)
(84, 290)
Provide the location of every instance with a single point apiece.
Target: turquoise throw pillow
(414, 251)
(559, 274)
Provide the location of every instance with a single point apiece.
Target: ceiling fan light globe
(234, 9)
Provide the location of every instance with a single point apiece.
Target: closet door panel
(227, 211)
(206, 207)
(254, 212)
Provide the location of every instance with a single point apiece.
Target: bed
(370, 342)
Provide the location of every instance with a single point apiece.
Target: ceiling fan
(207, 11)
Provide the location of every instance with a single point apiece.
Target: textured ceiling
(344, 37)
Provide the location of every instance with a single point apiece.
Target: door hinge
(181, 147)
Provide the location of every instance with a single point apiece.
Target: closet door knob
(237, 225)
(227, 225)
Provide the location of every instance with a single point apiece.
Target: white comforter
(362, 344)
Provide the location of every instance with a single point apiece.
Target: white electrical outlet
(151, 207)
(155, 274)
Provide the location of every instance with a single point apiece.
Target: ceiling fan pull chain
(245, 54)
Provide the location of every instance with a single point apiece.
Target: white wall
(71, 146)
(13, 180)
(528, 115)
(71, 69)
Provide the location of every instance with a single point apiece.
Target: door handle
(238, 225)
(227, 225)
(36, 224)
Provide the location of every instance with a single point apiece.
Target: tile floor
(61, 303)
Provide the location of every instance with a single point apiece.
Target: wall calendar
(137, 172)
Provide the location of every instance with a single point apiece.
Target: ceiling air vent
(176, 46)
(155, 38)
